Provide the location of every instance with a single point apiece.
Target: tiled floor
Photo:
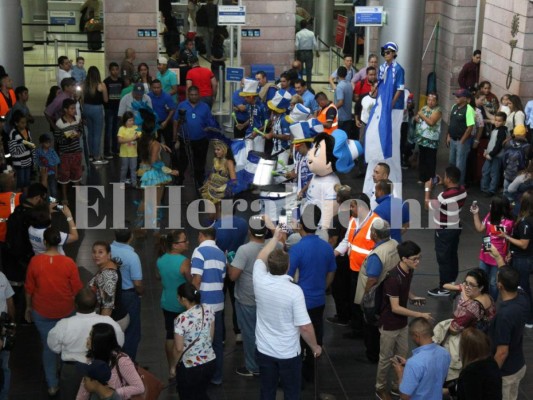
(344, 372)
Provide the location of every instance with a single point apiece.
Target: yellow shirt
(128, 149)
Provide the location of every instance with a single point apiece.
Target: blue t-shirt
(171, 278)
(313, 258)
(425, 372)
(130, 269)
(344, 92)
(47, 159)
(390, 209)
(309, 101)
(162, 105)
(168, 79)
(197, 117)
(239, 101)
(257, 112)
(233, 237)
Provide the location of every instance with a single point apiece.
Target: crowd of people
(340, 239)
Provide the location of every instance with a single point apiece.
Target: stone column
(509, 71)
(11, 50)
(122, 19)
(325, 24)
(275, 19)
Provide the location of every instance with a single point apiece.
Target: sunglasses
(387, 52)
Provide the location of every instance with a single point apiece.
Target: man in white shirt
(63, 69)
(305, 44)
(7, 305)
(69, 338)
(281, 318)
(138, 95)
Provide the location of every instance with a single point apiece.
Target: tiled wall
(122, 19)
(275, 46)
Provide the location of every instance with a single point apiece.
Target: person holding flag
(382, 141)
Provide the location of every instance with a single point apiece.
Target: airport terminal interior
(343, 369)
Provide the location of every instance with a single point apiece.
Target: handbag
(152, 386)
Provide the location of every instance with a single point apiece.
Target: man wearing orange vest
(327, 114)
(7, 95)
(358, 243)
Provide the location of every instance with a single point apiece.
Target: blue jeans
(275, 370)
(490, 175)
(94, 114)
(458, 155)
(23, 176)
(50, 359)
(246, 316)
(132, 303)
(446, 247)
(524, 266)
(492, 274)
(218, 347)
(111, 130)
(128, 163)
(4, 360)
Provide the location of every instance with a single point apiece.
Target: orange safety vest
(8, 202)
(322, 118)
(360, 243)
(4, 107)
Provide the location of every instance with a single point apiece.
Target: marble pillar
(11, 48)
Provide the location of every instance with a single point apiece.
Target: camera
(7, 331)
(182, 114)
(58, 207)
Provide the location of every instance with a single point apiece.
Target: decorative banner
(340, 33)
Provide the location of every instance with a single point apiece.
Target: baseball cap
(390, 46)
(162, 60)
(97, 370)
(257, 226)
(519, 130)
(462, 93)
(138, 88)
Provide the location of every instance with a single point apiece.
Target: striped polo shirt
(209, 262)
(449, 204)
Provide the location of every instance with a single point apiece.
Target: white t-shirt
(366, 105)
(37, 242)
(62, 74)
(6, 291)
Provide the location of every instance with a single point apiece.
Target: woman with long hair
(102, 345)
(498, 220)
(516, 115)
(144, 76)
(521, 245)
(107, 284)
(52, 281)
(173, 269)
(480, 377)
(94, 97)
(193, 336)
(222, 180)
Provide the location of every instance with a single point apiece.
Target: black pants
(427, 163)
(371, 337)
(317, 319)
(229, 287)
(446, 249)
(306, 58)
(69, 380)
(199, 150)
(168, 136)
(340, 289)
(192, 382)
(348, 127)
(357, 313)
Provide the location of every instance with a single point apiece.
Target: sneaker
(243, 371)
(238, 338)
(109, 156)
(127, 182)
(336, 321)
(438, 292)
(52, 391)
(395, 392)
(100, 162)
(529, 326)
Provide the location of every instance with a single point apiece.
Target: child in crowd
(493, 155)
(497, 222)
(515, 156)
(67, 139)
(127, 137)
(96, 376)
(47, 160)
(21, 149)
(78, 71)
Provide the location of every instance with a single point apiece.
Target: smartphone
(486, 244)
(435, 181)
(474, 203)
(283, 223)
(500, 228)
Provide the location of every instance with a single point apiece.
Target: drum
(276, 198)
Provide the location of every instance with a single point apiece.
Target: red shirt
(362, 87)
(52, 282)
(201, 77)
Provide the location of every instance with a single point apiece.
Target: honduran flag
(378, 137)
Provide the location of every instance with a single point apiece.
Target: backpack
(372, 303)
(515, 160)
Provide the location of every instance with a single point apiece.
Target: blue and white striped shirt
(209, 262)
